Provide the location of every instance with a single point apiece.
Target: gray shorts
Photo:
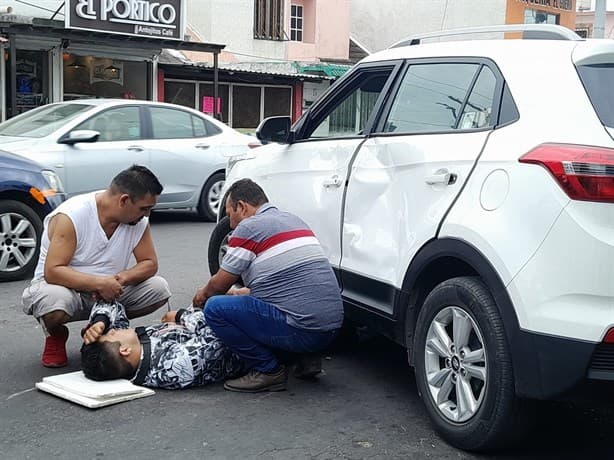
(40, 298)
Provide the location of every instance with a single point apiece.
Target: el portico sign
(149, 18)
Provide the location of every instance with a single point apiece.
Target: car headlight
(53, 180)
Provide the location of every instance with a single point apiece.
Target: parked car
(87, 142)
(28, 192)
(464, 194)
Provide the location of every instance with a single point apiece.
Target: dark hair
(102, 361)
(246, 190)
(136, 181)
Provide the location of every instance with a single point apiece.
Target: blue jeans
(253, 329)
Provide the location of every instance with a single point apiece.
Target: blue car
(28, 192)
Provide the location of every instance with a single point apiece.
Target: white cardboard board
(75, 387)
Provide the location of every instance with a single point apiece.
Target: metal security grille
(269, 19)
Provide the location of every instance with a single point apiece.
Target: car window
(430, 98)
(118, 124)
(478, 112)
(349, 115)
(178, 124)
(42, 121)
(597, 80)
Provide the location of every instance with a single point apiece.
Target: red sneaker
(54, 354)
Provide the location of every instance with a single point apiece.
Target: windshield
(42, 121)
(597, 80)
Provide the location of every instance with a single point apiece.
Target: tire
(463, 367)
(218, 244)
(211, 197)
(20, 237)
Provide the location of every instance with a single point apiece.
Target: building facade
(267, 66)
(377, 25)
(93, 54)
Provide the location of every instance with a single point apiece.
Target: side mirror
(80, 135)
(275, 129)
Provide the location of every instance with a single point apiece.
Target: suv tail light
(585, 173)
(254, 145)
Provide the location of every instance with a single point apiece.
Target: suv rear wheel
(218, 244)
(463, 366)
(20, 232)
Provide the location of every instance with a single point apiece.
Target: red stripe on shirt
(258, 248)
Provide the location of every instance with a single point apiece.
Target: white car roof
(499, 50)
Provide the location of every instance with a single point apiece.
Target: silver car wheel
(214, 196)
(17, 241)
(455, 364)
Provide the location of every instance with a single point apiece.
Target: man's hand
(169, 317)
(200, 297)
(109, 288)
(93, 333)
(238, 291)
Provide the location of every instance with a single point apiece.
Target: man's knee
(159, 287)
(211, 310)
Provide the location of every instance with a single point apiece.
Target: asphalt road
(365, 406)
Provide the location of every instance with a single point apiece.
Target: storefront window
(97, 77)
(206, 100)
(277, 101)
(540, 17)
(180, 92)
(246, 106)
(32, 83)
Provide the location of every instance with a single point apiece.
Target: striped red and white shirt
(282, 262)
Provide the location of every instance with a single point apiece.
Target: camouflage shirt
(182, 355)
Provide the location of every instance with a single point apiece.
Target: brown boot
(308, 366)
(255, 381)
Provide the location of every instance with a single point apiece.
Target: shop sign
(144, 18)
(558, 4)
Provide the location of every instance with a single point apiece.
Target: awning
(42, 28)
(329, 70)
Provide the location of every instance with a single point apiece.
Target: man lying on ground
(180, 352)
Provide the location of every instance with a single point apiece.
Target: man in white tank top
(86, 247)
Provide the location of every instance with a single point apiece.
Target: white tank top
(95, 253)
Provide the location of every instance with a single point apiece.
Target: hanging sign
(144, 18)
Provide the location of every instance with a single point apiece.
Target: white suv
(464, 194)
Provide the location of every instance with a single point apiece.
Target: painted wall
(326, 31)
(379, 24)
(231, 22)
(586, 20)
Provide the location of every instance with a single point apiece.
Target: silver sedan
(87, 142)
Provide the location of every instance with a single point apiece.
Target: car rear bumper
(561, 368)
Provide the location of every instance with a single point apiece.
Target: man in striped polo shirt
(292, 300)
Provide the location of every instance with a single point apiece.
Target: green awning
(329, 70)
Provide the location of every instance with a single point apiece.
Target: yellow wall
(565, 8)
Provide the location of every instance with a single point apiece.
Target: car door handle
(441, 176)
(334, 181)
(202, 146)
(136, 148)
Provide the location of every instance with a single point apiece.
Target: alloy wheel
(17, 241)
(214, 197)
(455, 364)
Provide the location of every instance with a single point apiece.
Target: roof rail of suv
(530, 31)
